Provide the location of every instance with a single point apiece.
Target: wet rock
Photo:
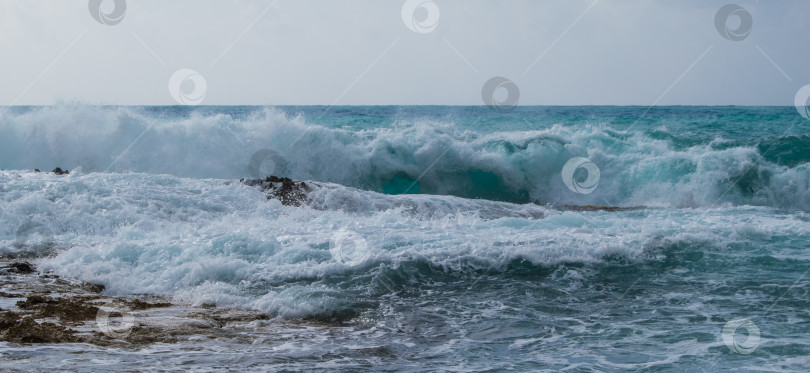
(26, 330)
(8, 319)
(34, 301)
(145, 335)
(289, 192)
(36, 170)
(138, 304)
(94, 288)
(60, 171)
(21, 267)
(53, 310)
(66, 309)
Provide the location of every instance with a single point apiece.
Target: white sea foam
(213, 241)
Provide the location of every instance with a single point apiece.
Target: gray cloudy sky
(355, 52)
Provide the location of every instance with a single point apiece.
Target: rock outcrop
(289, 192)
(43, 308)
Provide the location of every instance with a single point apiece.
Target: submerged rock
(289, 192)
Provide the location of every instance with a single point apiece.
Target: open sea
(440, 238)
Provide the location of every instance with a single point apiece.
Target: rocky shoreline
(43, 308)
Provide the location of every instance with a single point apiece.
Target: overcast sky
(362, 52)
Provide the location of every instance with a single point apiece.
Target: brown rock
(26, 330)
(71, 310)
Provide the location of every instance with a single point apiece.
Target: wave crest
(415, 155)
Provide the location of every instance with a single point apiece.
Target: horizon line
(387, 105)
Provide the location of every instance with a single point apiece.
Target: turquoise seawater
(464, 251)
